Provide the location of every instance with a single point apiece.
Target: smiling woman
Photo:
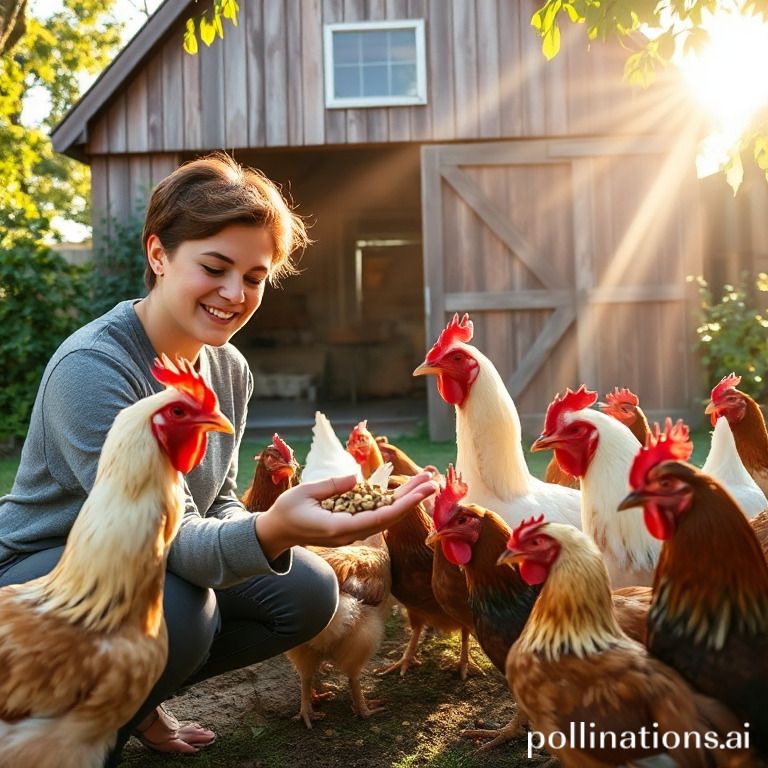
(237, 590)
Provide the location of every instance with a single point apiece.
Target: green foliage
(118, 264)
(209, 24)
(42, 300)
(49, 58)
(732, 334)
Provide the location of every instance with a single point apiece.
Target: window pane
(402, 45)
(374, 46)
(346, 47)
(375, 80)
(404, 79)
(346, 82)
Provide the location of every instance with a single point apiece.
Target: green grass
(419, 448)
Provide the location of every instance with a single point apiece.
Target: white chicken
(489, 452)
(600, 450)
(724, 465)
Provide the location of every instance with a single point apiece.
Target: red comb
(568, 403)
(453, 332)
(524, 530)
(455, 490)
(357, 430)
(673, 444)
(621, 396)
(186, 379)
(283, 448)
(731, 381)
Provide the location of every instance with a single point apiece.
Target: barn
(445, 167)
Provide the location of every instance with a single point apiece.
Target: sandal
(162, 732)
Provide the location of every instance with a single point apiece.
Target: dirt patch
(252, 712)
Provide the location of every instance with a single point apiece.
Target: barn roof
(71, 134)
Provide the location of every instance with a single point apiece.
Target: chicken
(363, 573)
(747, 424)
(724, 465)
(489, 452)
(709, 617)
(356, 629)
(600, 450)
(500, 602)
(81, 647)
(759, 525)
(327, 456)
(573, 667)
(365, 450)
(276, 471)
(402, 463)
(624, 405)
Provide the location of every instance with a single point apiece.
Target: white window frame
(417, 25)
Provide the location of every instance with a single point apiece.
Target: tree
(48, 60)
(679, 26)
(209, 24)
(11, 23)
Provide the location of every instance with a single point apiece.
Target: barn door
(571, 258)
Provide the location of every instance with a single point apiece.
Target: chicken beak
(433, 539)
(710, 409)
(544, 443)
(217, 422)
(631, 500)
(510, 557)
(425, 369)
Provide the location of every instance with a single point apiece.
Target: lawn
(420, 448)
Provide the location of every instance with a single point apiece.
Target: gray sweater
(96, 372)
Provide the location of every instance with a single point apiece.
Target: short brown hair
(202, 197)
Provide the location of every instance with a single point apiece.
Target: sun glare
(728, 75)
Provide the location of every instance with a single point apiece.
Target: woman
(236, 590)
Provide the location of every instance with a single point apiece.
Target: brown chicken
(759, 525)
(709, 618)
(363, 573)
(574, 672)
(276, 471)
(355, 631)
(624, 406)
(402, 463)
(500, 602)
(81, 647)
(747, 425)
(411, 561)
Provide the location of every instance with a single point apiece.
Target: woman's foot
(160, 731)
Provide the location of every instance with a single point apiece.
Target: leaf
(551, 44)
(207, 30)
(190, 38)
(573, 14)
(734, 172)
(230, 10)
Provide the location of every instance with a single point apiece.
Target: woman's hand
(297, 517)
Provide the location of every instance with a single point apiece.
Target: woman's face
(210, 288)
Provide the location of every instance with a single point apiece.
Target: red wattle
(450, 390)
(457, 552)
(659, 522)
(533, 573)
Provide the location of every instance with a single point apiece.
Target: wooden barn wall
(263, 85)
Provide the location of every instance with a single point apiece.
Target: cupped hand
(297, 517)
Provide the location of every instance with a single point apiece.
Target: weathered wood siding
(263, 86)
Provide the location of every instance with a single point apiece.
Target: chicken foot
(465, 664)
(361, 706)
(307, 712)
(409, 654)
(514, 729)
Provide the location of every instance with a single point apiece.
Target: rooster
(600, 450)
(709, 618)
(81, 647)
(747, 424)
(573, 665)
(489, 452)
(276, 471)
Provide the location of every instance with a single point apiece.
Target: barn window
(375, 64)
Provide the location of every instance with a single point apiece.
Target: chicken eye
(177, 411)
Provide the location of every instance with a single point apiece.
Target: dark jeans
(214, 631)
